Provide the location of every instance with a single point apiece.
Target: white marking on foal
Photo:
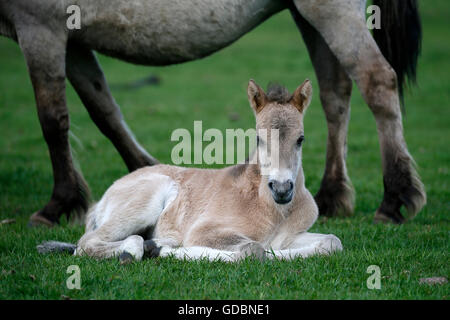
(134, 245)
(167, 192)
(281, 175)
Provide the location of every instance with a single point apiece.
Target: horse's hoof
(335, 199)
(381, 217)
(151, 249)
(38, 219)
(125, 258)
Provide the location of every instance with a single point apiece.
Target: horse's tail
(56, 247)
(400, 37)
(7, 29)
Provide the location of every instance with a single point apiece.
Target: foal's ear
(256, 96)
(302, 96)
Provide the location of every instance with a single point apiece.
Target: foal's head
(279, 125)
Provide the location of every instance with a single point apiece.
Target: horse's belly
(157, 32)
(150, 48)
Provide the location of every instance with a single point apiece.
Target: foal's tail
(400, 37)
(56, 247)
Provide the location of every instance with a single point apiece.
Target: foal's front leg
(212, 243)
(307, 244)
(252, 249)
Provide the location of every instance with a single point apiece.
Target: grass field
(211, 90)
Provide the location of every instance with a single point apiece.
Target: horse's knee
(335, 109)
(380, 91)
(335, 99)
(55, 124)
(52, 110)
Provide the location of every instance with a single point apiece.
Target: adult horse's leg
(336, 194)
(343, 27)
(86, 76)
(44, 51)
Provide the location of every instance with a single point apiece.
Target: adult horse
(157, 32)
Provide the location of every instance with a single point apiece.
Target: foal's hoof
(151, 249)
(252, 249)
(125, 258)
(381, 217)
(37, 219)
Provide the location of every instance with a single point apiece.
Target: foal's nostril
(281, 189)
(282, 192)
(290, 185)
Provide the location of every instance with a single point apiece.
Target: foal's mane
(278, 93)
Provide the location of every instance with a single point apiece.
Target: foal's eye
(300, 140)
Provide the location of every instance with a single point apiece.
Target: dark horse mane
(400, 38)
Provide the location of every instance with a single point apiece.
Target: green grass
(210, 90)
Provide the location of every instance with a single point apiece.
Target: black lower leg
(151, 249)
(335, 197)
(401, 187)
(70, 192)
(389, 210)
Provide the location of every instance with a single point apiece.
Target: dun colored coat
(222, 214)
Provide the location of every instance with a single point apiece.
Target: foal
(222, 214)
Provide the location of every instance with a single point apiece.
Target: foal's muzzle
(282, 192)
